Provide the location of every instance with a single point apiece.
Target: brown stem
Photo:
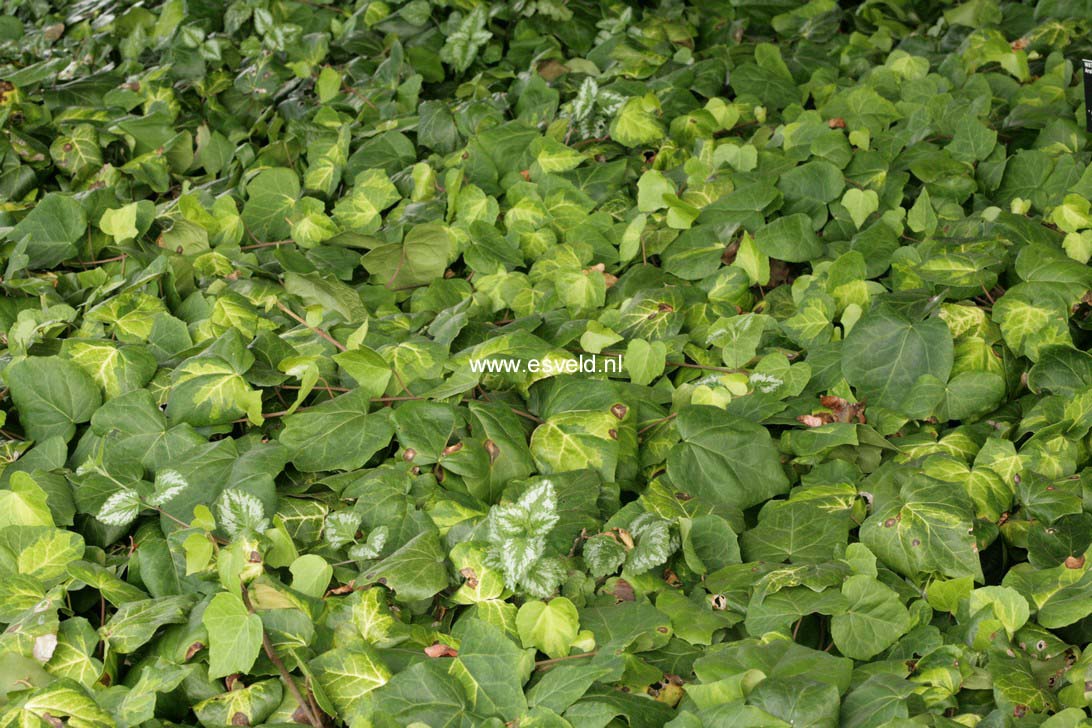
(282, 413)
(320, 332)
(162, 512)
(89, 263)
(402, 382)
(266, 245)
(593, 140)
(285, 675)
(660, 421)
(527, 415)
(180, 522)
(345, 87)
(325, 387)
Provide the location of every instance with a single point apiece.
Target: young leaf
(551, 626)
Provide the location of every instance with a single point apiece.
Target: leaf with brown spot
(811, 420)
(622, 590)
(441, 650)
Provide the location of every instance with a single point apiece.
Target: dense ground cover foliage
(253, 255)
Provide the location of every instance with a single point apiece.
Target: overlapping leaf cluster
(253, 253)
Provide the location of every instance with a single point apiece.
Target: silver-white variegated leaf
(371, 548)
(240, 511)
(533, 515)
(341, 528)
(544, 578)
(653, 543)
(168, 484)
(584, 103)
(603, 555)
(120, 509)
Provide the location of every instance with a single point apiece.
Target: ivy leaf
(78, 152)
(789, 238)
(860, 204)
(253, 703)
(603, 555)
(462, 46)
(347, 674)
(361, 211)
(873, 620)
(727, 460)
(924, 529)
(271, 195)
(421, 257)
(50, 230)
(426, 693)
(551, 627)
(887, 353)
(53, 394)
(136, 622)
(235, 635)
(644, 360)
(126, 223)
(495, 669)
(416, 570)
(208, 390)
(336, 435)
(636, 123)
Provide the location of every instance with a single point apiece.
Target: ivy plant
(545, 363)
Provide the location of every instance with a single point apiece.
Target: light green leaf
(924, 529)
(636, 123)
(645, 361)
(235, 635)
(136, 622)
(550, 627)
(420, 258)
(861, 204)
(347, 674)
(311, 575)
